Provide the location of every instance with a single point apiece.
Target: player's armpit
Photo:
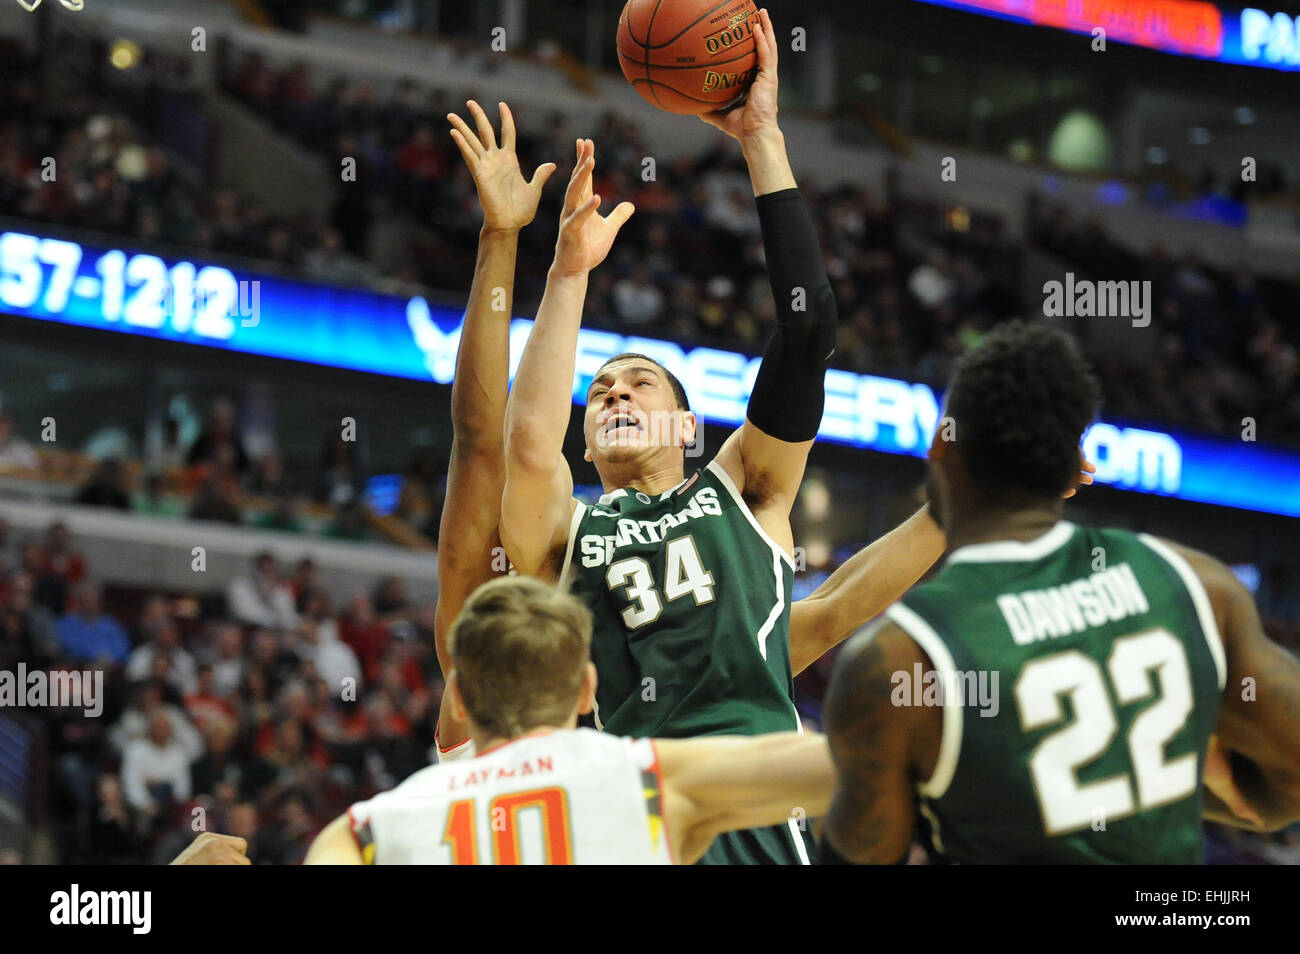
(535, 520)
(863, 587)
(728, 783)
(880, 749)
(1259, 717)
(769, 496)
(335, 845)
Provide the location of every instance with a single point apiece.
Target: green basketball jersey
(691, 609)
(1079, 676)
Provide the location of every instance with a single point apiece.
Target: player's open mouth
(621, 420)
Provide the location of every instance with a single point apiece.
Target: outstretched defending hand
(758, 114)
(585, 237)
(509, 201)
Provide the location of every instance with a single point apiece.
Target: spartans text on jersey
(598, 550)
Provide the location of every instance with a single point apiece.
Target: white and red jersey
(557, 797)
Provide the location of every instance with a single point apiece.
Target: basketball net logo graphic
(30, 5)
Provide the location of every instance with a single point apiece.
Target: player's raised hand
(586, 237)
(213, 849)
(509, 200)
(758, 114)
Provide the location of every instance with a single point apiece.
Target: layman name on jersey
(1103, 597)
(598, 549)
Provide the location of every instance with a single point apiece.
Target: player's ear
(586, 455)
(587, 699)
(939, 444)
(688, 428)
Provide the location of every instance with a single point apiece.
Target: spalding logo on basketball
(688, 56)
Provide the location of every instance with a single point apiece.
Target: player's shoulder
(421, 782)
(606, 744)
(422, 786)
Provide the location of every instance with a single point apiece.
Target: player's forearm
(878, 575)
(478, 391)
(734, 783)
(790, 777)
(769, 165)
(789, 393)
(537, 413)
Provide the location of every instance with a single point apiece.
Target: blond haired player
(542, 791)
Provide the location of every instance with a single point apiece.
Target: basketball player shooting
(1114, 674)
(857, 591)
(688, 578)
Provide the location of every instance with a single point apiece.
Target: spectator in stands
(220, 763)
(105, 487)
(361, 629)
(255, 706)
(154, 500)
(293, 832)
(390, 754)
(220, 442)
(87, 634)
(282, 516)
(329, 262)
(244, 823)
(151, 697)
(342, 475)
(155, 611)
(226, 656)
(51, 591)
(164, 641)
(269, 479)
(637, 301)
(390, 597)
(303, 583)
(205, 705)
(165, 452)
(156, 769)
(28, 631)
(218, 498)
(349, 522)
(15, 452)
(422, 163)
(418, 504)
(334, 659)
(117, 834)
(262, 598)
(59, 559)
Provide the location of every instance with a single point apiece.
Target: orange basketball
(688, 56)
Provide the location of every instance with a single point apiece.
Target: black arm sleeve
(789, 391)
